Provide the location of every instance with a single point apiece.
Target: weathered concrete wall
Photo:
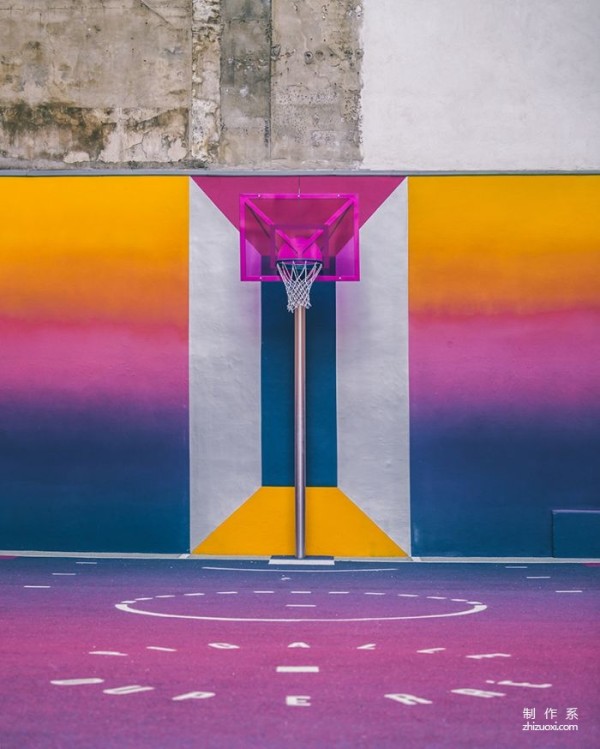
(245, 82)
(484, 85)
(206, 81)
(186, 83)
(89, 82)
(316, 83)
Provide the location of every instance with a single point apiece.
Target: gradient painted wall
(96, 341)
(94, 364)
(504, 295)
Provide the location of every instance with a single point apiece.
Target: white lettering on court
(478, 693)
(193, 696)
(223, 646)
(508, 683)
(408, 699)
(297, 700)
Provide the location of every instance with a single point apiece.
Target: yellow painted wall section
(503, 239)
(83, 231)
(264, 526)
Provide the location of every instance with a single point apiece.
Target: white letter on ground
(298, 700)
(194, 696)
(408, 699)
(478, 693)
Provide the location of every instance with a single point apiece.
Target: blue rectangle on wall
(576, 533)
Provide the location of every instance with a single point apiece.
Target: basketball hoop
(299, 239)
(298, 277)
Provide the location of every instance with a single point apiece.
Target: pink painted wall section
(523, 363)
(225, 191)
(120, 363)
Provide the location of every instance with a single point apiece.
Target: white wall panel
(224, 371)
(481, 85)
(372, 373)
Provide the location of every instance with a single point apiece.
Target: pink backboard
(284, 226)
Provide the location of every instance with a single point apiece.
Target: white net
(298, 277)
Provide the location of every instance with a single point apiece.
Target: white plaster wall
(225, 458)
(372, 373)
(463, 85)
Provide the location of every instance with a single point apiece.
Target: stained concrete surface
(187, 83)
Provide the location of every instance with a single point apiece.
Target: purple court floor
(177, 653)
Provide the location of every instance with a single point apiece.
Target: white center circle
(336, 605)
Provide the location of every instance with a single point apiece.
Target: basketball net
(298, 277)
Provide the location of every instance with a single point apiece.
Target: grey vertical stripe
(224, 371)
(372, 373)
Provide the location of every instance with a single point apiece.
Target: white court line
(76, 682)
(475, 610)
(538, 577)
(185, 594)
(515, 566)
(107, 652)
(297, 669)
(316, 562)
(338, 592)
(407, 595)
(301, 605)
(130, 689)
(568, 591)
(36, 586)
(300, 592)
(64, 573)
(263, 591)
(86, 562)
(163, 650)
(249, 569)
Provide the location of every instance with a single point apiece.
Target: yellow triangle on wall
(264, 526)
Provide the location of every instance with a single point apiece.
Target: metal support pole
(300, 428)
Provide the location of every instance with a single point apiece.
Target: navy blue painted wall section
(277, 362)
(487, 486)
(66, 486)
